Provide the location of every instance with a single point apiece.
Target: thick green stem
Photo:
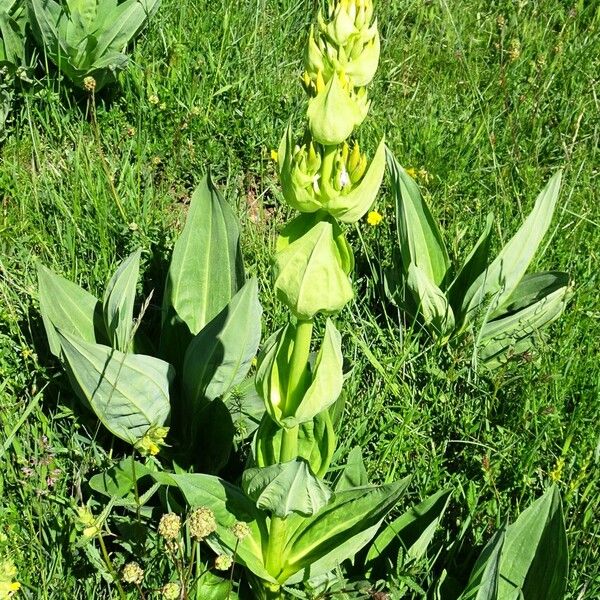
(327, 164)
(298, 364)
(289, 439)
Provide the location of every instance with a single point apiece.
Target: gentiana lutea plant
(291, 522)
(302, 525)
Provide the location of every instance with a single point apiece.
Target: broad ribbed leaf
(129, 393)
(412, 532)
(118, 301)
(354, 474)
(83, 13)
(418, 234)
(430, 301)
(535, 563)
(212, 587)
(483, 583)
(206, 268)
(229, 505)
(286, 488)
(476, 263)
(119, 24)
(338, 531)
(119, 481)
(12, 44)
(44, 16)
(220, 356)
(501, 278)
(538, 300)
(66, 306)
(316, 443)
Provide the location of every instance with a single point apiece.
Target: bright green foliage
(86, 38)
(309, 274)
(483, 583)
(119, 298)
(130, 392)
(286, 488)
(527, 560)
(319, 388)
(412, 532)
(494, 301)
(534, 563)
(12, 34)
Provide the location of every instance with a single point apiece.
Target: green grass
(454, 97)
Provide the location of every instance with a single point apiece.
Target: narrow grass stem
(103, 161)
(111, 568)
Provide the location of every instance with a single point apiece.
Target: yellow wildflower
(412, 172)
(152, 440)
(87, 522)
(153, 99)
(169, 526)
(274, 155)
(374, 218)
(132, 573)
(171, 591)
(8, 572)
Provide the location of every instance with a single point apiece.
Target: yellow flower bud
(171, 591)
(354, 159)
(223, 562)
(240, 530)
(152, 440)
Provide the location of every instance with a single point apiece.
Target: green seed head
(201, 523)
(169, 526)
(132, 573)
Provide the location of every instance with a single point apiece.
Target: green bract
(339, 183)
(310, 277)
(493, 300)
(336, 110)
(320, 386)
(86, 38)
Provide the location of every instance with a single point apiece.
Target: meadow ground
(485, 100)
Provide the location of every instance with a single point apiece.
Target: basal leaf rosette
(338, 181)
(320, 386)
